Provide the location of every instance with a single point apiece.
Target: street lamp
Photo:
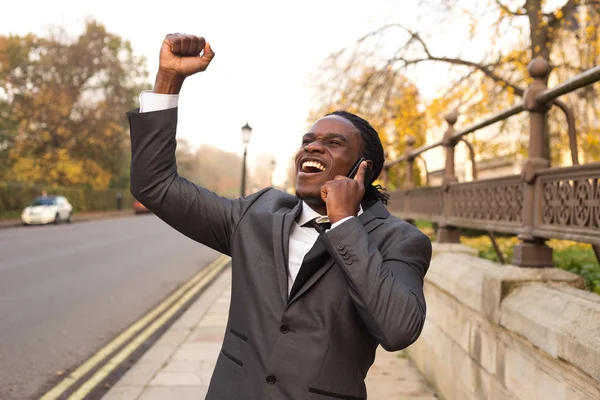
(272, 172)
(246, 131)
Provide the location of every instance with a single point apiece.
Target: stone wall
(502, 332)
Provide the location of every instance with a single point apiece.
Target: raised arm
(192, 210)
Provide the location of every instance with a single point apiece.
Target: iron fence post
(447, 233)
(409, 182)
(532, 251)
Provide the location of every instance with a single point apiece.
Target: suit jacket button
(271, 379)
(284, 329)
(346, 256)
(340, 247)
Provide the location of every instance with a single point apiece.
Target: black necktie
(320, 227)
(316, 257)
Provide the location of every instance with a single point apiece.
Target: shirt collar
(308, 214)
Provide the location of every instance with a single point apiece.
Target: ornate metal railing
(492, 204)
(422, 203)
(570, 203)
(539, 204)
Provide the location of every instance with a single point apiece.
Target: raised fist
(180, 57)
(185, 55)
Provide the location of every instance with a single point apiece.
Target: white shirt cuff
(150, 101)
(341, 221)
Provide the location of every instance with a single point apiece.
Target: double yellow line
(164, 311)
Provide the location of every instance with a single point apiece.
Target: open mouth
(312, 167)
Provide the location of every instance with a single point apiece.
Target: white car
(47, 209)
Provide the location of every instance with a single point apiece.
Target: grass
(10, 215)
(575, 257)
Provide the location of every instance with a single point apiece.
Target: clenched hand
(342, 195)
(181, 56)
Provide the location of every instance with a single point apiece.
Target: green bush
(15, 197)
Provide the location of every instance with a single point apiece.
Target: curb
(80, 217)
(141, 374)
(86, 380)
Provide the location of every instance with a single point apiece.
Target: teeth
(314, 164)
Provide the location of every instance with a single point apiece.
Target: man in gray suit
(320, 279)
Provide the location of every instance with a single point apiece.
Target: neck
(320, 208)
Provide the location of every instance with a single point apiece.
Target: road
(67, 290)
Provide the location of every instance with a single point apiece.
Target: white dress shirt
(302, 239)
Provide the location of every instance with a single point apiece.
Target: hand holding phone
(342, 196)
(368, 172)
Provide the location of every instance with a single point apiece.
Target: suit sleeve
(194, 211)
(386, 290)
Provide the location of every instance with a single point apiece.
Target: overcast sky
(265, 51)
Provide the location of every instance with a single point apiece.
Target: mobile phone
(368, 172)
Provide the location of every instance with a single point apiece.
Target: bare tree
(479, 82)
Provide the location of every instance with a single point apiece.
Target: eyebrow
(327, 136)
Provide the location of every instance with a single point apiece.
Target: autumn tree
(62, 105)
(483, 80)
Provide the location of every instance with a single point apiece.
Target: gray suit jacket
(320, 343)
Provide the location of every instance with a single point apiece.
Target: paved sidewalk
(180, 364)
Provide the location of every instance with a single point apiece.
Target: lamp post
(246, 131)
(272, 172)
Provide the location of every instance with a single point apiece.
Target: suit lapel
(313, 279)
(371, 219)
(282, 226)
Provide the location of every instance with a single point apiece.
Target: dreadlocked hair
(371, 150)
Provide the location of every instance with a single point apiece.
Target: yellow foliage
(63, 96)
(56, 167)
(558, 14)
(590, 31)
(482, 243)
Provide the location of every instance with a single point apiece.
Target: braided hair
(371, 150)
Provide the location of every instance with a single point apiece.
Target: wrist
(338, 217)
(168, 82)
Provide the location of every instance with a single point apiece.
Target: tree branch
(566, 10)
(417, 37)
(457, 61)
(505, 8)
(413, 35)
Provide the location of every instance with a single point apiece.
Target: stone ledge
(481, 284)
(456, 270)
(456, 335)
(560, 320)
(508, 307)
(497, 286)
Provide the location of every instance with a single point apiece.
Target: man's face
(330, 148)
